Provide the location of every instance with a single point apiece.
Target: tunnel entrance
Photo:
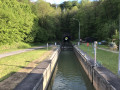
(66, 43)
(66, 38)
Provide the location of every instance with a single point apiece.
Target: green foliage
(115, 37)
(18, 45)
(75, 3)
(98, 19)
(84, 2)
(21, 20)
(16, 21)
(48, 19)
(67, 4)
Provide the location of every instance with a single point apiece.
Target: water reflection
(69, 74)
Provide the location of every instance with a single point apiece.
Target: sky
(56, 1)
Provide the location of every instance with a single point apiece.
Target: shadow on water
(69, 74)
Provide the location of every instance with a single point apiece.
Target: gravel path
(108, 50)
(20, 51)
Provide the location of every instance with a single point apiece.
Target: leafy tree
(42, 22)
(16, 24)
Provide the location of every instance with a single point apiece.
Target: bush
(18, 45)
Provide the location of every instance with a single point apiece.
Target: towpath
(20, 51)
(11, 82)
(107, 50)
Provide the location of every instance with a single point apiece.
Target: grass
(12, 64)
(107, 59)
(104, 46)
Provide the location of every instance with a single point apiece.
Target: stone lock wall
(42, 85)
(100, 77)
(39, 77)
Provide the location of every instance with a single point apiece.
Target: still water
(69, 74)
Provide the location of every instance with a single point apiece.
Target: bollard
(119, 49)
(55, 44)
(88, 46)
(78, 43)
(47, 46)
(92, 47)
(95, 45)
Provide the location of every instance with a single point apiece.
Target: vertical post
(79, 32)
(55, 44)
(95, 45)
(119, 49)
(47, 46)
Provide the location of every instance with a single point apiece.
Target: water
(69, 75)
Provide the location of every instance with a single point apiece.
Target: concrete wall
(100, 77)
